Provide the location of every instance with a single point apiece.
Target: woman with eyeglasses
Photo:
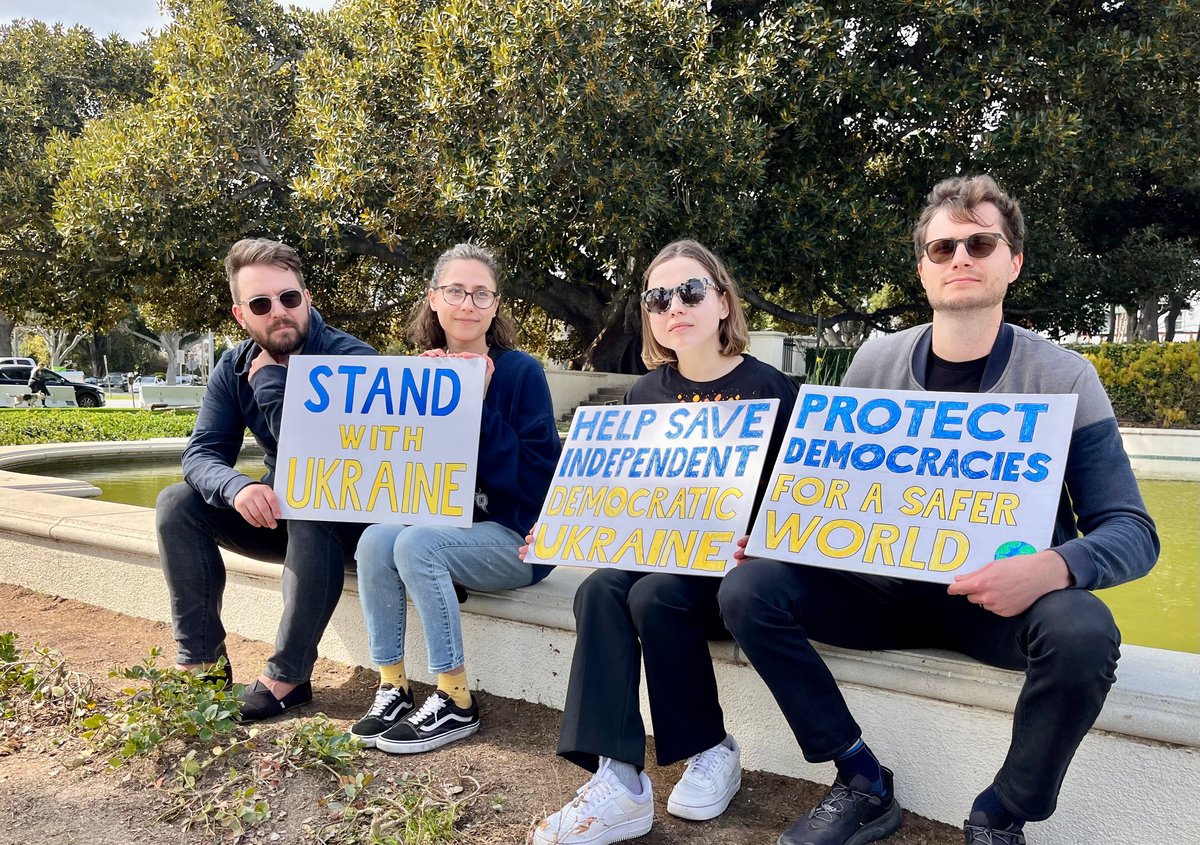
(694, 334)
(459, 316)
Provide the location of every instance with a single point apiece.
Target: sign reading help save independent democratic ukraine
(380, 439)
(914, 485)
(663, 488)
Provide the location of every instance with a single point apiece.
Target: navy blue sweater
(231, 405)
(518, 445)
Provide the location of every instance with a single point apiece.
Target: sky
(130, 18)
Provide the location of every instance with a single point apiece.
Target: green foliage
(165, 705)
(1150, 384)
(827, 365)
(38, 683)
(20, 427)
(319, 739)
(577, 138)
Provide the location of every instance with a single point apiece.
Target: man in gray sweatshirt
(1035, 613)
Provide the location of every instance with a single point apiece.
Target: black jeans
(621, 616)
(1066, 643)
(313, 554)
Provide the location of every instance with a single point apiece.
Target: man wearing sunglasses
(1033, 612)
(217, 505)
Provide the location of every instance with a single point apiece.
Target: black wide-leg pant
(622, 618)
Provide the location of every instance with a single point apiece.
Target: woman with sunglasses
(694, 334)
(518, 451)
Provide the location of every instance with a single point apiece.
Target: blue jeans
(424, 563)
(313, 555)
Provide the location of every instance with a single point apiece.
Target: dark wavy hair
(424, 330)
(960, 196)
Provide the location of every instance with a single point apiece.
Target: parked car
(86, 396)
(26, 362)
(113, 381)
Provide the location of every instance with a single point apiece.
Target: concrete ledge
(943, 722)
(1172, 454)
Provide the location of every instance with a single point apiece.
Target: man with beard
(1034, 612)
(216, 505)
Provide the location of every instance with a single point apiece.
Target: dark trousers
(313, 554)
(1066, 643)
(621, 617)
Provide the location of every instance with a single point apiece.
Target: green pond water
(1161, 610)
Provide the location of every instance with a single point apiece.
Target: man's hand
(1007, 587)
(257, 505)
(524, 550)
(739, 553)
(262, 359)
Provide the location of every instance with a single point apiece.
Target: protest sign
(655, 488)
(914, 485)
(380, 439)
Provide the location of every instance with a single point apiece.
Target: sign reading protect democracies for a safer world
(655, 488)
(380, 439)
(914, 485)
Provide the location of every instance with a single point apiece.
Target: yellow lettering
(351, 472)
(937, 558)
(708, 557)
(384, 480)
(857, 536)
(879, 543)
(293, 500)
(413, 436)
(1006, 503)
(873, 499)
(352, 435)
(836, 497)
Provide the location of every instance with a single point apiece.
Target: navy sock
(858, 760)
(998, 816)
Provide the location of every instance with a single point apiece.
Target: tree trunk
(1112, 323)
(1175, 304)
(169, 343)
(1131, 321)
(97, 349)
(6, 336)
(1147, 323)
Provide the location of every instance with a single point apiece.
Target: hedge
(23, 426)
(1150, 384)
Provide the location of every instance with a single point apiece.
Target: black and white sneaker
(391, 705)
(438, 722)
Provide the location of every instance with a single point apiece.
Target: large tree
(577, 137)
(52, 82)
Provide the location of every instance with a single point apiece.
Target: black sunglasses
(979, 245)
(261, 305)
(691, 293)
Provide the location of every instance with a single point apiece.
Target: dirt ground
(46, 799)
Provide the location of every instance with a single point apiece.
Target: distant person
(1036, 613)
(37, 384)
(131, 380)
(216, 505)
(458, 317)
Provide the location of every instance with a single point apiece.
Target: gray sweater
(1100, 496)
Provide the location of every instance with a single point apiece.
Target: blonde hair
(424, 330)
(257, 252)
(734, 333)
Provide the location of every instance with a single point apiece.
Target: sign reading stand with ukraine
(655, 488)
(914, 485)
(380, 439)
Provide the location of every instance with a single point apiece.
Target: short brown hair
(424, 330)
(734, 331)
(253, 252)
(960, 196)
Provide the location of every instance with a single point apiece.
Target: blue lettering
(810, 403)
(1037, 467)
(351, 373)
(944, 418)
(894, 465)
(1029, 419)
(382, 386)
(841, 409)
(864, 416)
(322, 395)
(919, 407)
(973, 427)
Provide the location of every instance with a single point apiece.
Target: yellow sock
(394, 675)
(455, 686)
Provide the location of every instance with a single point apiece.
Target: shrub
(1151, 384)
(19, 427)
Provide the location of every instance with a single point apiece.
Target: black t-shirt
(954, 376)
(751, 379)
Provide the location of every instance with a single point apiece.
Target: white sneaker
(603, 811)
(709, 783)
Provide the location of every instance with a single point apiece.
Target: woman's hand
(524, 550)
(739, 554)
(489, 363)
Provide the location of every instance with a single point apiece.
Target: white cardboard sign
(917, 485)
(368, 438)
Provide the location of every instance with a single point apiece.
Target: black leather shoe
(260, 703)
(850, 814)
(977, 832)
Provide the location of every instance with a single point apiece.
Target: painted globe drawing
(1013, 548)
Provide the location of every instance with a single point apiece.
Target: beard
(283, 337)
(978, 300)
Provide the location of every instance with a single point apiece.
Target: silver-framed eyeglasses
(454, 295)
